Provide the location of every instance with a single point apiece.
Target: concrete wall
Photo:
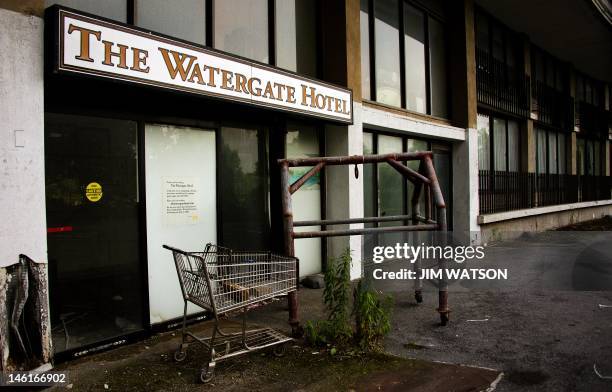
(513, 228)
(22, 176)
(22, 187)
(344, 197)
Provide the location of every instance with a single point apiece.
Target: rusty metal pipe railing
(407, 172)
(426, 176)
(331, 222)
(289, 247)
(355, 159)
(369, 230)
(302, 180)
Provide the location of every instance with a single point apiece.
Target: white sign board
(181, 204)
(114, 50)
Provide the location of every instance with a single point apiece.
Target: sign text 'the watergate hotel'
(94, 46)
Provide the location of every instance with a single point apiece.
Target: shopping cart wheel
(207, 374)
(280, 349)
(180, 355)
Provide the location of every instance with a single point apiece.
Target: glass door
(95, 274)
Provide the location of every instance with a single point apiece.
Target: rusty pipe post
(356, 159)
(428, 202)
(443, 309)
(416, 196)
(407, 172)
(292, 297)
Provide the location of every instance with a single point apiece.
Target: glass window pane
(437, 63)
(442, 164)
(590, 155)
(539, 67)
(414, 46)
(550, 72)
(296, 36)
(552, 152)
(514, 150)
(579, 88)
(541, 155)
(499, 143)
(413, 146)
(588, 92)
(369, 195)
(303, 142)
(365, 50)
(286, 50)
(386, 31)
(112, 9)
(484, 150)
(562, 153)
(180, 173)
(482, 32)
(580, 157)
(241, 28)
(368, 176)
(559, 85)
(244, 207)
(185, 19)
(597, 158)
(498, 44)
(511, 50)
(390, 189)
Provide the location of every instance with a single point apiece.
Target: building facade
(127, 124)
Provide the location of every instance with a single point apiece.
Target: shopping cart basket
(221, 280)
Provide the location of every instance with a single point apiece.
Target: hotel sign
(93, 46)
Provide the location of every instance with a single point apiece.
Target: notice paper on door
(181, 200)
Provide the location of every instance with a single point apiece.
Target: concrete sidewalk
(148, 366)
(541, 328)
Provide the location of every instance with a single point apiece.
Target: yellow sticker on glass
(93, 192)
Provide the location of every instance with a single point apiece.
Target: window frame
(491, 117)
(508, 36)
(428, 13)
(557, 133)
(132, 10)
(559, 69)
(432, 145)
(597, 90)
(597, 168)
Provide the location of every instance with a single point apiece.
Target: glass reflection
(185, 19)
(244, 205)
(414, 43)
(241, 28)
(386, 34)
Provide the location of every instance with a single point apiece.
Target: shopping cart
(221, 280)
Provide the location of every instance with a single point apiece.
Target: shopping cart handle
(172, 249)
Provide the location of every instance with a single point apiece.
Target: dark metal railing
(508, 191)
(592, 119)
(551, 106)
(500, 86)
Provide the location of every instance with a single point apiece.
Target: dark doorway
(95, 273)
